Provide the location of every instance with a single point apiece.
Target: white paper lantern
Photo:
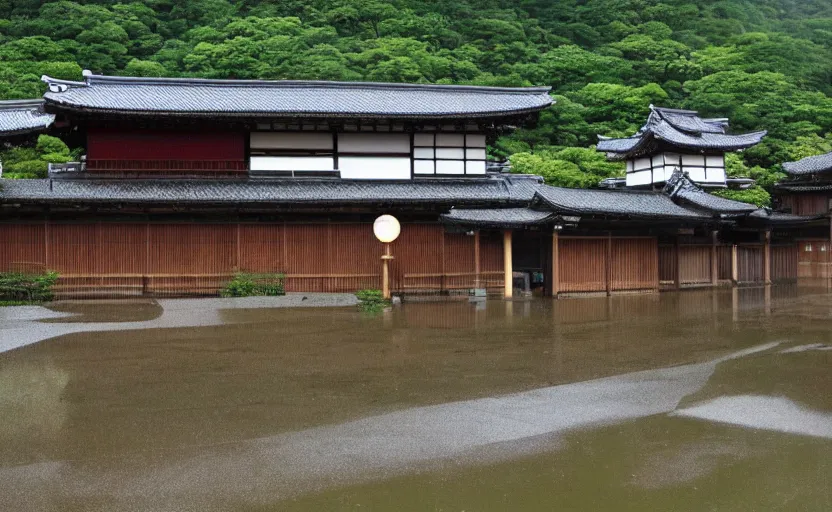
(386, 228)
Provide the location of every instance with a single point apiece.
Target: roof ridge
(91, 80)
(26, 104)
(680, 111)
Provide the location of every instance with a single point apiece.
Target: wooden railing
(167, 166)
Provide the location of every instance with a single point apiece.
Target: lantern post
(387, 229)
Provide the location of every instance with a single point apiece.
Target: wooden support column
(555, 278)
(714, 258)
(508, 273)
(477, 280)
(767, 258)
(677, 271)
(608, 266)
(735, 275)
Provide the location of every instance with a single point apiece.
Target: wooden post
(555, 279)
(477, 259)
(767, 258)
(735, 276)
(677, 272)
(385, 273)
(508, 273)
(714, 258)
(608, 266)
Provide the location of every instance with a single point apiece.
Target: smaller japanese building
(22, 120)
(807, 190)
(673, 139)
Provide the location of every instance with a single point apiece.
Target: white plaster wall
(291, 163)
(374, 168)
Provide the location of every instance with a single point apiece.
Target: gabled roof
(766, 216)
(23, 116)
(498, 218)
(496, 191)
(682, 129)
(809, 165)
(635, 204)
(680, 188)
(803, 187)
(263, 98)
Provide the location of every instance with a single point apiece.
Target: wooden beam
(714, 258)
(508, 273)
(735, 276)
(767, 258)
(555, 279)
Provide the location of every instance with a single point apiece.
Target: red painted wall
(160, 145)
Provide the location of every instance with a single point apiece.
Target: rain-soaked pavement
(701, 400)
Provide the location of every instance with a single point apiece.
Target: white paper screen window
(291, 141)
(291, 163)
(373, 143)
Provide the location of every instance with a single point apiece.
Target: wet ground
(701, 400)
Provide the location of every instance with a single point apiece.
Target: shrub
(23, 287)
(371, 300)
(47, 144)
(248, 284)
(28, 168)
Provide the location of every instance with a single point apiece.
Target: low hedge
(250, 284)
(17, 287)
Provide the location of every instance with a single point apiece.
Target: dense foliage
(249, 284)
(766, 64)
(20, 287)
(32, 162)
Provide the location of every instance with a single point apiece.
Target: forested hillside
(766, 64)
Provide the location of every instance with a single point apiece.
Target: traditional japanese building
(673, 140)
(186, 181)
(808, 191)
(22, 120)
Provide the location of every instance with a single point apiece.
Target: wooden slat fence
(583, 264)
(168, 259)
(694, 267)
(750, 263)
(784, 266)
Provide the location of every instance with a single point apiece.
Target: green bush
(23, 287)
(248, 284)
(371, 300)
(28, 169)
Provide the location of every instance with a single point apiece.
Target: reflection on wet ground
(697, 400)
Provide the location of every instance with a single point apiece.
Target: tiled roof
(236, 98)
(681, 188)
(492, 191)
(23, 116)
(679, 128)
(770, 217)
(613, 203)
(501, 218)
(803, 187)
(810, 165)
